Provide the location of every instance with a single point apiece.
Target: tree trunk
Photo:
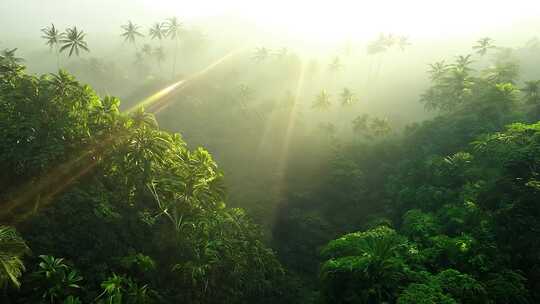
(175, 54)
(57, 58)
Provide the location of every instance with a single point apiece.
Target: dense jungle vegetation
(268, 176)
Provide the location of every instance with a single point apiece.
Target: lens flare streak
(39, 193)
(160, 100)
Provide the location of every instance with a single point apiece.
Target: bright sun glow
(327, 21)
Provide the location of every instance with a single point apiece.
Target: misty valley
(269, 152)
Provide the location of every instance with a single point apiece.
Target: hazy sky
(309, 20)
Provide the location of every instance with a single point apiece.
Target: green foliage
(113, 288)
(8, 57)
(60, 279)
(507, 286)
(142, 214)
(371, 127)
(140, 261)
(363, 267)
(118, 289)
(424, 294)
(72, 300)
(12, 249)
(452, 85)
(466, 213)
(461, 287)
(419, 226)
(115, 194)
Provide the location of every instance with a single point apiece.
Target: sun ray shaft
(40, 192)
(291, 122)
(161, 97)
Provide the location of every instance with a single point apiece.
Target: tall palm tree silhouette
(131, 32)
(172, 30)
(322, 101)
(52, 38)
(74, 41)
(483, 46)
(157, 31)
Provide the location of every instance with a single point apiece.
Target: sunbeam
(279, 151)
(159, 100)
(291, 123)
(156, 97)
(40, 192)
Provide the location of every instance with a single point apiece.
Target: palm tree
(347, 97)
(381, 44)
(483, 45)
(371, 263)
(437, 70)
(462, 63)
(380, 127)
(532, 91)
(261, 54)
(9, 56)
(73, 40)
(172, 30)
(52, 38)
(403, 42)
(147, 50)
(12, 249)
(157, 31)
(360, 124)
(388, 40)
(335, 65)
(379, 47)
(159, 55)
(322, 101)
(131, 33)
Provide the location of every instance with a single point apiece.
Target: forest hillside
(170, 162)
